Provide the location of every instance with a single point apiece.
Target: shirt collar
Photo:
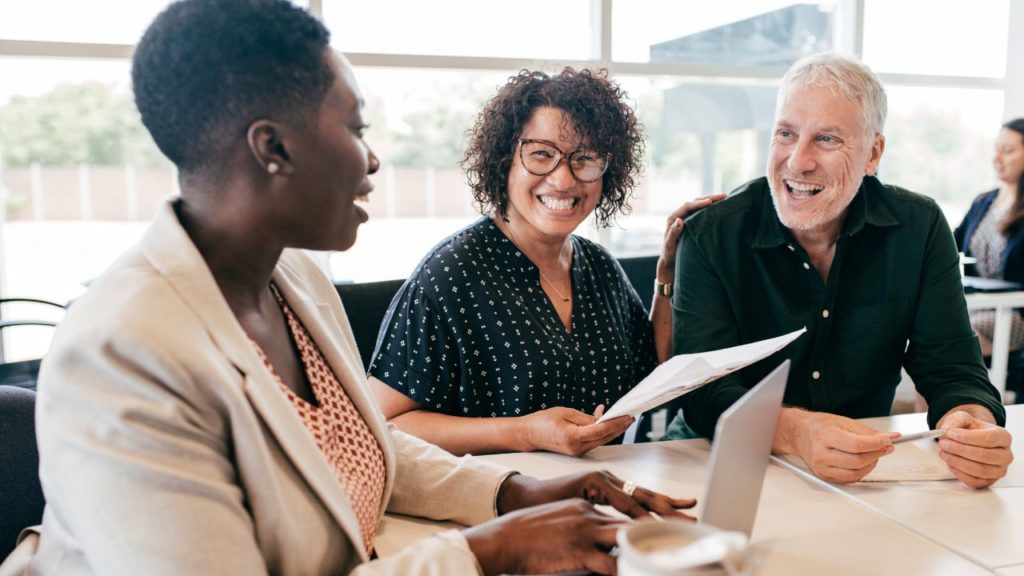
(867, 208)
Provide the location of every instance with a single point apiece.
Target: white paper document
(910, 463)
(686, 372)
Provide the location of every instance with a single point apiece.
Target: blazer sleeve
(134, 467)
(961, 230)
(442, 554)
(431, 483)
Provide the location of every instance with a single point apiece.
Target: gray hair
(843, 76)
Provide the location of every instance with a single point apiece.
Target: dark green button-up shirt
(893, 298)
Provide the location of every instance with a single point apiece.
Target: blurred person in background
(992, 232)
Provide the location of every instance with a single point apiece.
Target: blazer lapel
(173, 255)
(319, 309)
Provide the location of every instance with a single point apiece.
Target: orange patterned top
(339, 430)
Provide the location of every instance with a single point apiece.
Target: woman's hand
(570, 432)
(552, 526)
(556, 537)
(673, 228)
(597, 487)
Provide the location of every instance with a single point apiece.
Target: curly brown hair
(599, 113)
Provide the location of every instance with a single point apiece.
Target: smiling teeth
(557, 203)
(803, 190)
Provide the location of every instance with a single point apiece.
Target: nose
(374, 162)
(801, 157)
(561, 178)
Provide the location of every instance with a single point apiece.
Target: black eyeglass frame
(561, 156)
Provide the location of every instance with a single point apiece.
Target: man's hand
(596, 487)
(975, 449)
(835, 448)
(571, 432)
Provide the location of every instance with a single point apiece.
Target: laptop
(740, 454)
(978, 284)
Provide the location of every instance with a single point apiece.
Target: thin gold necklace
(552, 285)
(515, 241)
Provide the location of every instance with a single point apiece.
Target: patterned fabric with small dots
(987, 245)
(339, 430)
(472, 333)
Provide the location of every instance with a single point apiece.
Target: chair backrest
(365, 304)
(641, 271)
(21, 495)
(23, 373)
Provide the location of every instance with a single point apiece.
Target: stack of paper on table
(687, 372)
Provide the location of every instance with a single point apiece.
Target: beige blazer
(166, 446)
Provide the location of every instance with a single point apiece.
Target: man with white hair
(865, 266)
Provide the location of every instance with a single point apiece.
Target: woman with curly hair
(513, 334)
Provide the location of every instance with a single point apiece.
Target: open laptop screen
(741, 453)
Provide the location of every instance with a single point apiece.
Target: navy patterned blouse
(472, 332)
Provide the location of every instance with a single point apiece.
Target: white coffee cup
(677, 548)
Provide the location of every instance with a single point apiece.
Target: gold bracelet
(663, 289)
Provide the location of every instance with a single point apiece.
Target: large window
(922, 37)
(79, 177)
(539, 29)
(740, 32)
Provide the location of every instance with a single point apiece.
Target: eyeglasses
(541, 158)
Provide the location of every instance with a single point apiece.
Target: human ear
(875, 157)
(267, 147)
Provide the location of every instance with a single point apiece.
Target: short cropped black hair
(206, 69)
(599, 113)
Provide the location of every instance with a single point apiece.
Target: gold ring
(629, 487)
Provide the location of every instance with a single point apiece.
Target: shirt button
(807, 266)
(816, 375)
(790, 246)
(824, 313)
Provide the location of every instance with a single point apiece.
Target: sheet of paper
(686, 372)
(910, 463)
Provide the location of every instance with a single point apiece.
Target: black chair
(365, 304)
(23, 373)
(641, 271)
(21, 495)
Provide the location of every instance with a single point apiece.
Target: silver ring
(629, 487)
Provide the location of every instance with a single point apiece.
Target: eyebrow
(831, 129)
(559, 148)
